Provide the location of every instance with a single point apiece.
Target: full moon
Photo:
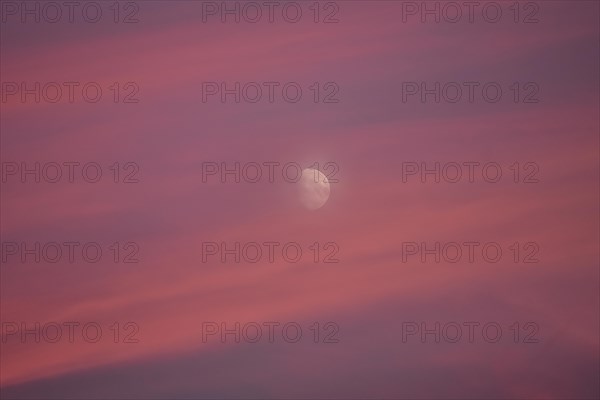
(314, 189)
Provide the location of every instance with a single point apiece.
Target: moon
(314, 189)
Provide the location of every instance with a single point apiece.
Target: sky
(456, 256)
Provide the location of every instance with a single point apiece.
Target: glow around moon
(314, 189)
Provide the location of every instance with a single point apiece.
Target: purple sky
(370, 135)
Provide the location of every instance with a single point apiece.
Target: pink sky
(369, 134)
